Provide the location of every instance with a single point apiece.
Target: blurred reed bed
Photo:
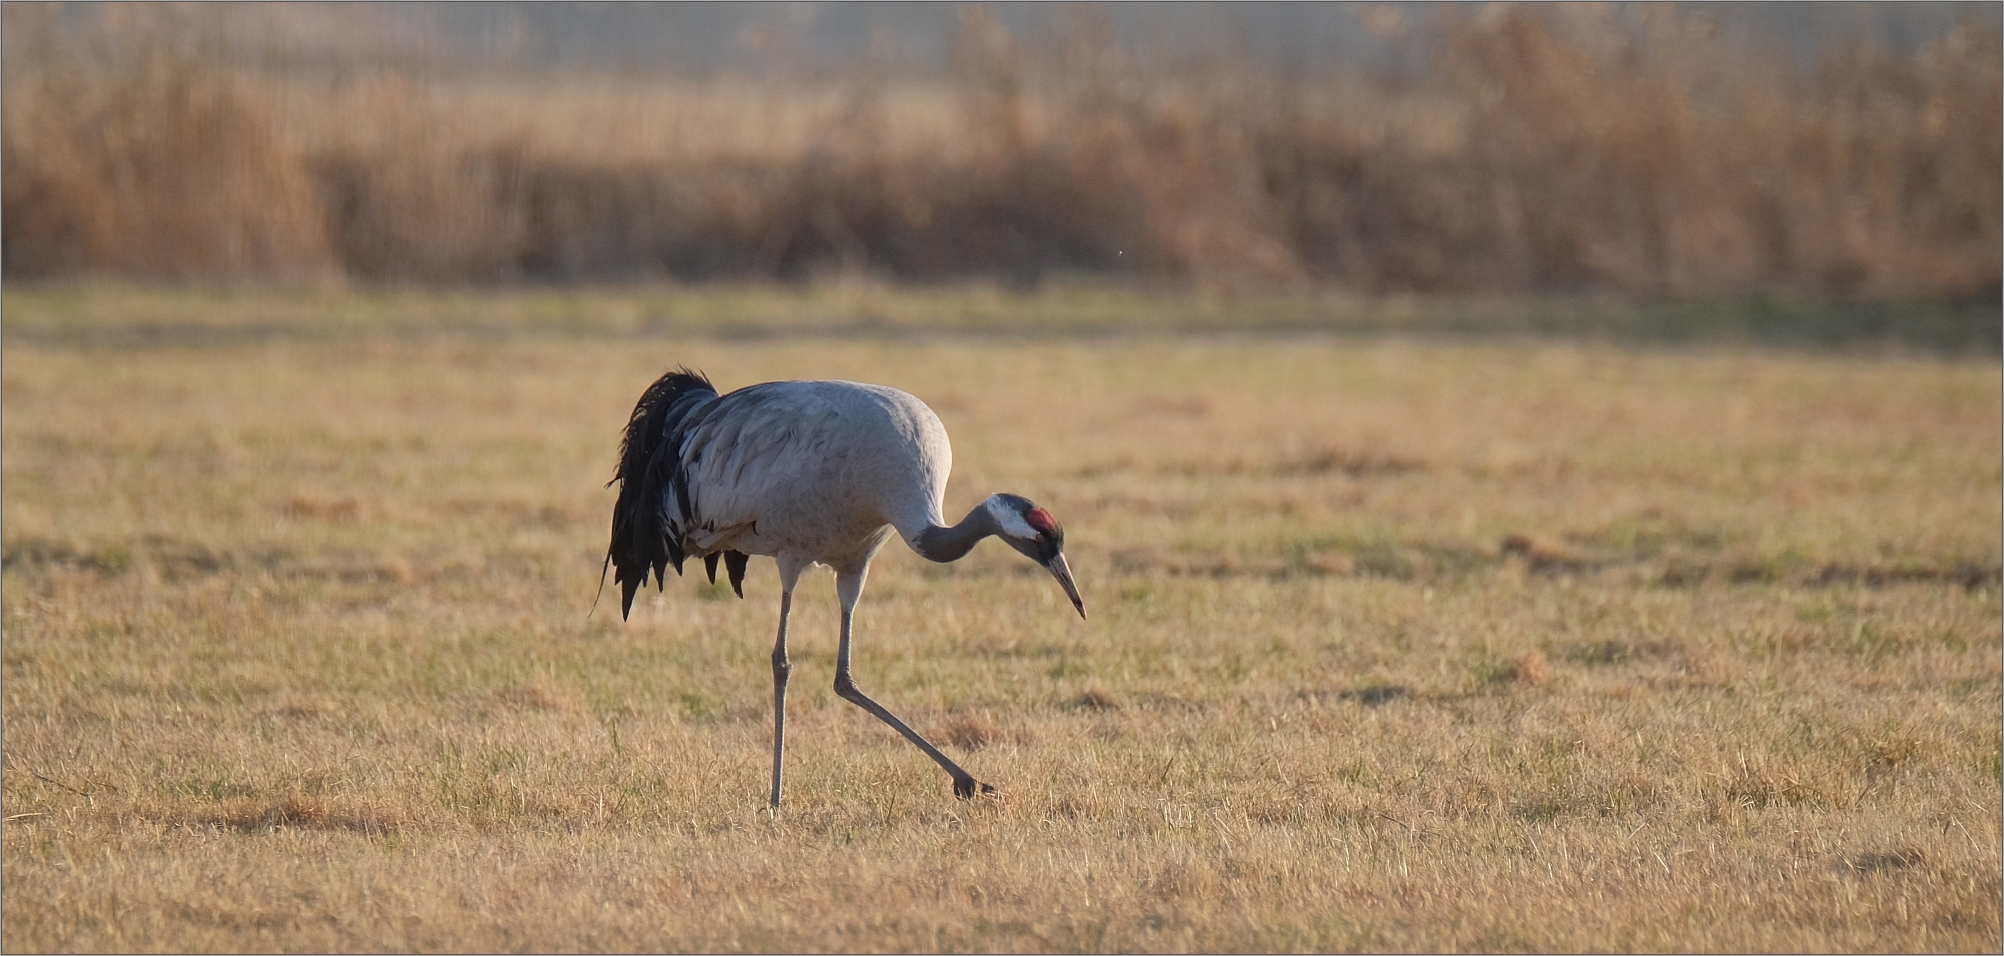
(1547, 150)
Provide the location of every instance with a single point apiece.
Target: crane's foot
(966, 787)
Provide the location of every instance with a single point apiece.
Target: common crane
(808, 473)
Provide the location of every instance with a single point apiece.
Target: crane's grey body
(808, 473)
(814, 472)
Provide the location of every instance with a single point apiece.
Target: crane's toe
(966, 787)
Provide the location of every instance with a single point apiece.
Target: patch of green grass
(143, 317)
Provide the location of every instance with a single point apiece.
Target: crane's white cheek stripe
(1012, 522)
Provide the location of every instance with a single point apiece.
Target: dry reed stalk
(1551, 152)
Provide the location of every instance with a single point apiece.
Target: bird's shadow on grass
(1370, 695)
(1376, 695)
(1965, 325)
(289, 814)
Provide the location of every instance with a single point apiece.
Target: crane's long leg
(781, 668)
(964, 784)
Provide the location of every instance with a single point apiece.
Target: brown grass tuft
(1531, 668)
(1542, 556)
(974, 731)
(1879, 862)
(1095, 698)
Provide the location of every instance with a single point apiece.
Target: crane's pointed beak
(1063, 572)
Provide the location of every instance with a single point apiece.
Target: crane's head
(1034, 532)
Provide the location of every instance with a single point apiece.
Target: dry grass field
(1397, 642)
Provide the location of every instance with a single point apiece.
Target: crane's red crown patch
(1041, 520)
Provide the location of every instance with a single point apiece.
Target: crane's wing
(810, 467)
(755, 454)
(697, 471)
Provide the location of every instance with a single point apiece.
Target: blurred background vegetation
(1839, 152)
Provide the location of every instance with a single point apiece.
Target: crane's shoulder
(846, 411)
(832, 393)
(807, 428)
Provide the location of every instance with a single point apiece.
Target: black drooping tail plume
(644, 536)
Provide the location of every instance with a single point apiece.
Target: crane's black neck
(952, 544)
